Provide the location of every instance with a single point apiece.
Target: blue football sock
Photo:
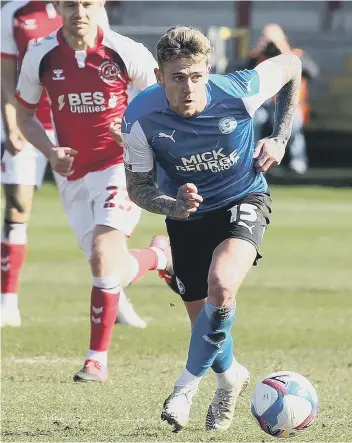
(224, 358)
(209, 334)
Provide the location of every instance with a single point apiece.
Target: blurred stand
(323, 28)
(114, 10)
(271, 43)
(333, 16)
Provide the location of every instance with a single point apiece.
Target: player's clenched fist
(268, 152)
(187, 200)
(61, 160)
(15, 142)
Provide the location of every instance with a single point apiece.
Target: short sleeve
(243, 83)
(270, 81)
(8, 43)
(138, 154)
(138, 60)
(29, 88)
(141, 68)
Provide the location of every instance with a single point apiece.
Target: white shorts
(99, 198)
(25, 168)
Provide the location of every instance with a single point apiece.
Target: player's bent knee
(108, 250)
(19, 199)
(221, 291)
(18, 211)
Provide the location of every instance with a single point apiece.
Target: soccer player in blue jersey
(196, 130)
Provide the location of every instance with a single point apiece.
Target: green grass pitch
(294, 313)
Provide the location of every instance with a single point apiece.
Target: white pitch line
(41, 359)
(44, 360)
(58, 320)
(312, 207)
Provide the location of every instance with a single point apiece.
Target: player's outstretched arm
(142, 191)
(280, 75)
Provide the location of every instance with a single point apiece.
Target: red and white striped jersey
(24, 23)
(88, 89)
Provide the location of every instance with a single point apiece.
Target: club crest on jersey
(227, 125)
(109, 71)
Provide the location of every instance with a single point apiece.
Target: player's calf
(13, 254)
(103, 311)
(14, 249)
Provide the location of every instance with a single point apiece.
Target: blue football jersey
(213, 149)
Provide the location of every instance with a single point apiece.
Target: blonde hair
(183, 42)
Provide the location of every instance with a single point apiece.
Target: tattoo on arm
(142, 191)
(287, 98)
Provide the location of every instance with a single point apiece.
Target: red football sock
(147, 261)
(12, 259)
(103, 311)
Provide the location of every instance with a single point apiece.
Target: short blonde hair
(183, 42)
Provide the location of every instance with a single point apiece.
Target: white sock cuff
(15, 233)
(188, 380)
(162, 259)
(9, 301)
(101, 357)
(107, 282)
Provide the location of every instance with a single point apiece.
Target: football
(284, 403)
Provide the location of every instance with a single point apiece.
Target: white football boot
(10, 317)
(126, 314)
(177, 407)
(298, 166)
(221, 410)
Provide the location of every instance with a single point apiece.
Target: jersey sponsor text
(214, 161)
(86, 102)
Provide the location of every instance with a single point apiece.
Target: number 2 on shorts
(111, 202)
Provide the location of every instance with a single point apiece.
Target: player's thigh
(192, 248)
(78, 209)
(25, 168)
(231, 262)
(242, 226)
(111, 204)
(18, 202)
